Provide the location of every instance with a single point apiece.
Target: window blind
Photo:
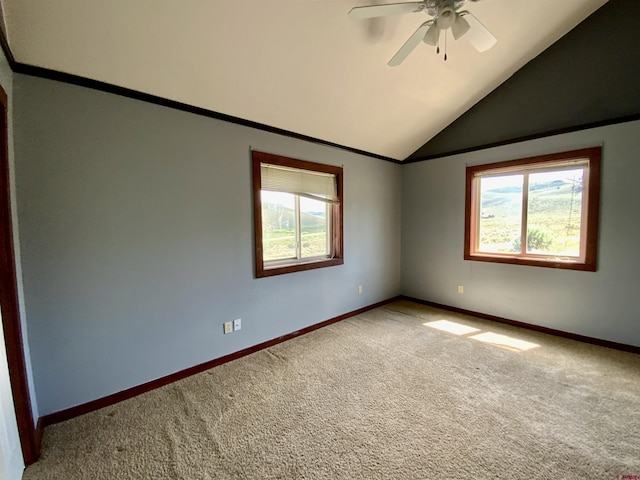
(306, 183)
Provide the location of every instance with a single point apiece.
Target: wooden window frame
(590, 220)
(337, 245)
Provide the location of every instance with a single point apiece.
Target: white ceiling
(298, 65)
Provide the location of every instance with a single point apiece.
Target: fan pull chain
(445, 46)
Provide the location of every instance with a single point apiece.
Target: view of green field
(554, 213)
(278, 229)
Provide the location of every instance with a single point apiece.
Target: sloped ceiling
(585, 79)
(300, 66)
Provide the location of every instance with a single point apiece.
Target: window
(297, 214)
(539, 211)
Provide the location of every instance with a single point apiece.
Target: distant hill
(277, 219)
(553, 212)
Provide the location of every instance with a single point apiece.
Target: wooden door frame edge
(29, 435)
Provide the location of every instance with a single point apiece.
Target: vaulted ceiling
(300, 66)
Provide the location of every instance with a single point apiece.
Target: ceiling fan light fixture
(446, 17)
(433, 35)
(459, 27)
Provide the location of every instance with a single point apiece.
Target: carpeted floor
(377, 396)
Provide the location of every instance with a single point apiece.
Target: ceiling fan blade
(433, 34)
(371, 11)
(478, 35)
(409, 45)
(459, 27)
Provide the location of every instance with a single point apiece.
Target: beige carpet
(376, 396)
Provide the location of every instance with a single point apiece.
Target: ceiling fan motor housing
(434, 7)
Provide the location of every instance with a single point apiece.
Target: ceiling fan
(446, 15)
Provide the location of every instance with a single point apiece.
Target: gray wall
(604, 304)
(136, 234)
(588, 76)
(136, 241)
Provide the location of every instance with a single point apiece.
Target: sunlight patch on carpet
(451, 327)
(504, 341)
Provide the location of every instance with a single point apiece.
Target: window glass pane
(278, 226)
(555, 212)
(313, 226)
(500, 219)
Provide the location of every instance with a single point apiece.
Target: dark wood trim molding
(4, 44)
(39, 432)
(78, 410)
(72, 79)
(525, 138)
(50, 74)
(146, 97)
(10, 304)
(112, 399)
(529, 326)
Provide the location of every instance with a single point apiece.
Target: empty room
(320, 239)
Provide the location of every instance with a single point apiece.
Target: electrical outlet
(237, 324)
(359, 289)
(461, 289)
(228, 327)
